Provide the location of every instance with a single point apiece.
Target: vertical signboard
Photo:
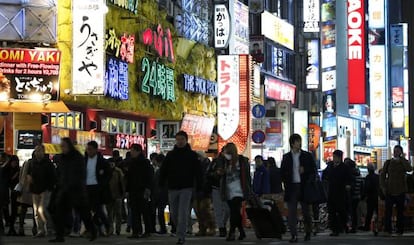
(328, 45)
(312, 70)
(88, 47)
(221, 26)
(356, 52)
(239, 38)
(228, 95)
(311, 15)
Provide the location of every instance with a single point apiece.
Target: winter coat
(25, 196)
(393, 177)
(140, 175)
(103, 176)
(43, 175)
(245, 178)
(261, 182)
(275, 180)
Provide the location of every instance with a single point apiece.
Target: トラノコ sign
(158, 80)
(29, 74)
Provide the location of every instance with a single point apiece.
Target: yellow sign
(54, 149)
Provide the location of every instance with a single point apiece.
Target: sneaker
(74, 234)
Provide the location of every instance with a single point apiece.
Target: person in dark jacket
(71, 191)
(235, 187)
(13, 175)
(339, 181)
(138, 187)
(371, 194)
(275, 177)
(357, 192)
(160, 194)
(42, 179)
(298, 169)
(261, 182)
(180, 171)
(97, 184)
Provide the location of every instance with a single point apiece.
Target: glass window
(128, 127)
(61, 120)
(71, 120)
(114, 125)
(121, 126)
(104, 125)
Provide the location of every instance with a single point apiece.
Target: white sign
(228, 99)
(256, 81)
(221, 26)
(300, 126)
(311, 15)
(278, 30)
(328, 57)
(239, 38)
(376, 13)
(88, 47)
(378, 97)
(328, 80)
(312, 71)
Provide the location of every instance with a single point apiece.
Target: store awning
(33, 107)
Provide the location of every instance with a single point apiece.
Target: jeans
(40, 204)
(399, 203)
(235, 205)
(293, 211)
(180, 203)
(221, 209)
(115, 214)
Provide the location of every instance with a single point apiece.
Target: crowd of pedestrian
(72, 189)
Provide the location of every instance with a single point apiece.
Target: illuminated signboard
(125, 141)
(122, 47)
(312, 71)
(311, 15)
(278, 62)
(88, 47)
(356, 52)
(378, 95)
(228, 95)
(29, 74)
(116, 79)
(193, 22)
(239, 37)
(278, 30)
(376, 13)
(278, 90)
(200, 85)
(158, 80)
(160, 40)
(221, 26)
(328, 80)
(130, 5)
(199, 130)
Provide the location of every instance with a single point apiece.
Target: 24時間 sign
(29, 74)
(158, 80)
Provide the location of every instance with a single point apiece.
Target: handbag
(314, 192)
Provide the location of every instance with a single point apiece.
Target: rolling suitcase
(267, 221)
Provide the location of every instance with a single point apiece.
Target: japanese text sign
(193, 22)
(239, 37)
(228, 95)
(122, 47)
(199, 85)
(29, 74)
(88, 47)
(221, 26)
(199, 131)
(116, 79)
(160, 40)
(311, 15)
(278, 30)
(130, 5)
(278, 90)
(125, 141)
(158, 80)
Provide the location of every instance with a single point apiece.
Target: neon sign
(158, 80)
(199, 85)
(120, 47)
(131, 5)
(160, 40)
(116, 79)
(125, 141)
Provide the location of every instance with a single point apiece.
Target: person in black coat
(160, 194)
(138, 186)
(98, 175)
(339, 180)
(275, 177)
(71, 191)
(371, 194)
(181, 172)
(298, 169)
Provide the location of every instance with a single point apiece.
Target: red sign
(328, 148)
(356, 52)
(199, 131)
(397, 96)
(278, 90)
(160, 40)
(125, 141)
(38, 56)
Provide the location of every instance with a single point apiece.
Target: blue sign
(259, 111)
(200, 85)
(258, 136)
(116, 79)
(193, 22)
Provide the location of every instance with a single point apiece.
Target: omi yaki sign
(228, 99)
(29, 74)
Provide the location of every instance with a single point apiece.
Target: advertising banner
(278, 30)
(30, 75)
(239, 37)
(88, 51)
(199, 131)
(312, 70)
(311, 15)
(221, 26)
(278, 90)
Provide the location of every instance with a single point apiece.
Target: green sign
(158, 80)
(131, 5)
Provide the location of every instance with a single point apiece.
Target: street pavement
(323, 238)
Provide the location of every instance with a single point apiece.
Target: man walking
(393, 184)
(298, 169)
(139, 182)
(181, 169)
